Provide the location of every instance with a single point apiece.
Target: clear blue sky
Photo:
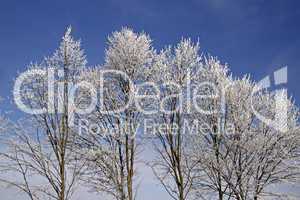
(254, 36)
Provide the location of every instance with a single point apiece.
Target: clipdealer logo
(55, 91)
(280, 121)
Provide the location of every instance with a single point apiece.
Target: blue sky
(254, 36)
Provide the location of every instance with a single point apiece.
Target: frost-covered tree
(210, 143)
(172, 166)
(112, 157)
(3, 122)
(245, 162)
(206, 141)
(269, 155)
(40, 151)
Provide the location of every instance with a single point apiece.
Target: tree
(206, 143)
(3, 122)
(173, 168)
(111, 153)
(42, 155)
(211, 141)
(256, 155)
